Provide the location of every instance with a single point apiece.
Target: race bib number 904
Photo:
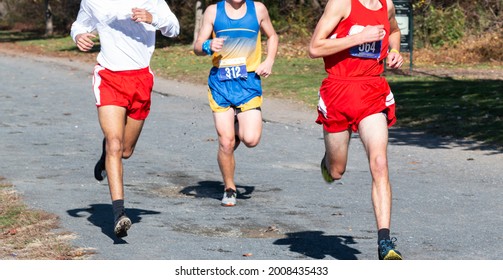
(234, 68)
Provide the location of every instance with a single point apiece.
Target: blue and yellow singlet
(242, 36)
(232, 80)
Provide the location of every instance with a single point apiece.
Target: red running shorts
(345, 102)
(130, 89)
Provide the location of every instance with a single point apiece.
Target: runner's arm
(335, 11)
(265, 68)
(206, 33)
(81, 29)
(395, 59)
(165, 20)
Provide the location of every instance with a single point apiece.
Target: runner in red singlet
(354, 38)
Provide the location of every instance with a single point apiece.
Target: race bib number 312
(232, 69)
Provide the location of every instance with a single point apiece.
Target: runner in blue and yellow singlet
(231, 33)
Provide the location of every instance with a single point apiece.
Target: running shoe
(387, 251)
(324, 171)
(122, 225)
(229, 198)
(99, 169)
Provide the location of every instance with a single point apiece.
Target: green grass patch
(14, 36)
(180, 63)
(470, 109)
(8, 212)
(296, 78)
(10, 216)
(63, 44)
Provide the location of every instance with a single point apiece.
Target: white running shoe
(229, 198)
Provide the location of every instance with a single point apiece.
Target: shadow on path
(407, 137)
(101, 216)
(215, 189)
(315, 245)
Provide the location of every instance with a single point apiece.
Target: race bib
(233, 68)
(365, 50)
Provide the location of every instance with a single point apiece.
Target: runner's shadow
(315, 245)
(215, 189)
(101, 216)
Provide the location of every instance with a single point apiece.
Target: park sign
(403, 15)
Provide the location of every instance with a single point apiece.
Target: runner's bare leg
(224, 124)
(374, 135)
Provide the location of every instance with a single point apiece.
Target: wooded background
(436, 23)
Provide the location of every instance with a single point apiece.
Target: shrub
(439, 27)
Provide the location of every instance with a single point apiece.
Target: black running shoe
(122, 225)
(100, 172)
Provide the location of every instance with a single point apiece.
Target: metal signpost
(403, 10)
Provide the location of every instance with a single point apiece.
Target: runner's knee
(379, 166)
(114, 146)
(127, 152)
(226, 144)
(337, 172)
(251, 141)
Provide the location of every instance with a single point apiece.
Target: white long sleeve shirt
(125, 44)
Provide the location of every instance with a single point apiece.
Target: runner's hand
(84, 41)
(264, 69)
(372, 33)
(141, 15)
(217, 44)
(394, 60)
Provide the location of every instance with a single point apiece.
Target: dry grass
(473, 50)
(27, 234)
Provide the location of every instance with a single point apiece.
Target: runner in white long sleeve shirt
(127, 39)
(122, 80)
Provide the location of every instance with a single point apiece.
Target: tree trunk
(316, 5)
(49, 28)
(198, 18)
